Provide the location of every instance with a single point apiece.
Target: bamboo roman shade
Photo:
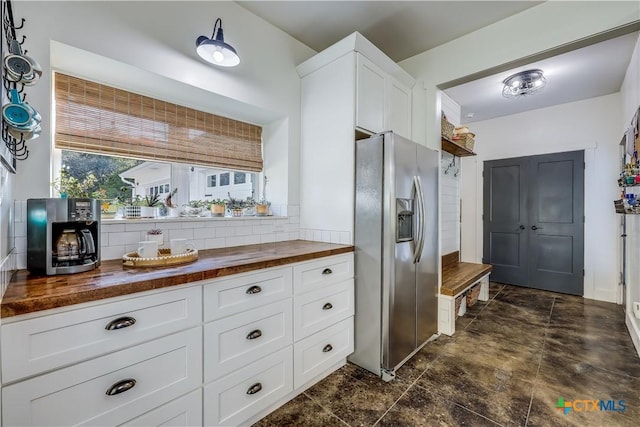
(93, 117)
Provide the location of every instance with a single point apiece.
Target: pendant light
(215, 50)
(523, 83)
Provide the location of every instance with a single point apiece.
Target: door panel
(505, 218)
(557, 226)
(533, 221)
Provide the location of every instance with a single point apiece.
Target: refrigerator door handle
(417, 254)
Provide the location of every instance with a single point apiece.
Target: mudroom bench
(458, 278)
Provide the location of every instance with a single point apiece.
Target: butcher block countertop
(28, 293)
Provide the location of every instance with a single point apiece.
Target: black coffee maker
(63, 235)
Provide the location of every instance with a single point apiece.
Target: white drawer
(241, 395)
(313, 355)
(185, 411)
(44, 343)
(228, 345)
(312, 275)
(230, 296)
(163, 370)
(318, 309)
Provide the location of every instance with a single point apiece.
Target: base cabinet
(93, 392)
(232, 351)
(241, 395)
(185, 411)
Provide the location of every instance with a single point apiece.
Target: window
(137, 146)
(239, 178)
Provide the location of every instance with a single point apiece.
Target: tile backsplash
(121, 236)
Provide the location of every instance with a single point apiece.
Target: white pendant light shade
(215, 50)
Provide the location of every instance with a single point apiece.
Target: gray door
(534, 221)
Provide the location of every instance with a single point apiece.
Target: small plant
(263, 201)
(167, 200)
(154, 231)
(151, 200)
(220, 202)
(196, 204)
(235, 203)
(262, 207)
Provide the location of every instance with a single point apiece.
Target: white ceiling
(584, 73)
(402, 29)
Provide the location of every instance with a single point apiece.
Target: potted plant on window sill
(217, 207)
(194, 207)
(235, 206)
(149, 208)
(262, 207)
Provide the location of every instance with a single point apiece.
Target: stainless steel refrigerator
(396, 251)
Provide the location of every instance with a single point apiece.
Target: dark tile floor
(508, 363)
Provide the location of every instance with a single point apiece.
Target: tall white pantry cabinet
(349, 90)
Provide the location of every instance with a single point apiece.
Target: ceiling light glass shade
(215, 50)
(523, 83)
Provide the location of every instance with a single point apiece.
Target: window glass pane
(123, 180)
(239, 178)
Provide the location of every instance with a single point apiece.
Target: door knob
(522, 227)
(533, 227)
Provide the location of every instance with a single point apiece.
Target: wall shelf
(455, 149)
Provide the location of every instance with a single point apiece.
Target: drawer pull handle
(327, 306)
(254, 334)
(119, 323)
(254, 388)
(121, 387)
(254, 290)
(327, 348)
(327, 271)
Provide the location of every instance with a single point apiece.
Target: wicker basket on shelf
(472, 295)
(446, 128)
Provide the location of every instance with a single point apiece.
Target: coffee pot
(73, 245)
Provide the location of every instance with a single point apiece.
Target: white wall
(630, 89)
(449, 186)
(591, 125)
(158, 38)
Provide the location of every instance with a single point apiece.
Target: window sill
(191, 219)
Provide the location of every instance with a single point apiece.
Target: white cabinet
(249, 354)
(111, 389)
(370, 96)
(382, 102)
(244, 393)
(49, 342)
(234, 342)
(349, 89)
(217, 352)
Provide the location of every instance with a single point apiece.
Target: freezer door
(427, 267)
(399, 250)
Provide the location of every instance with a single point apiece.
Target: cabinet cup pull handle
(121, 387)
(254, 388)
(254, 334)
(119, 323)
(254, 290)
(327, 348)
(327, 271)
(327, 306)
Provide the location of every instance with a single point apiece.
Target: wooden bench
(457, 278)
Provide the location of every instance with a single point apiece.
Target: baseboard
(633, 326)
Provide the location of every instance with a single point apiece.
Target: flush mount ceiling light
(215, 50)
(523, 83)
